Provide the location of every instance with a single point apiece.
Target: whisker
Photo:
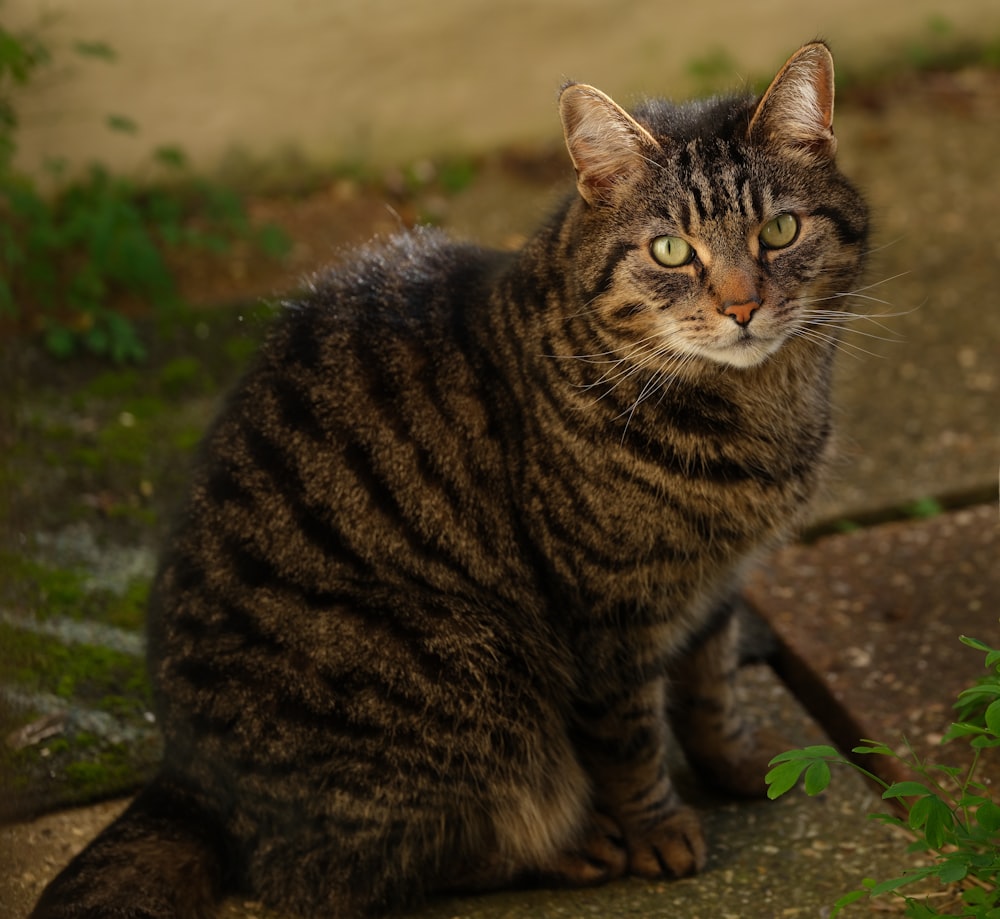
(845, 347)
(839, 322)
(891, 338)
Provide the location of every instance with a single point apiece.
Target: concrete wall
(387, 81)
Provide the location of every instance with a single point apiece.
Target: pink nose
(741, 313)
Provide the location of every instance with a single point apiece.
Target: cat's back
(415, 287)
(358, 447)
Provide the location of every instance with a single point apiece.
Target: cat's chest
(662, 505)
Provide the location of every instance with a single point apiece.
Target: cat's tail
(163, 858)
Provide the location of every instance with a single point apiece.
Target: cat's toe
(674, 848)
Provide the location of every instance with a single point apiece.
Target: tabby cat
(466, 536)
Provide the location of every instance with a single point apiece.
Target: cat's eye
(779, 232)
(671, 251)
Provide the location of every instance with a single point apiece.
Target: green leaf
(934, 818)
(906, 790)
(820, 751)
(783, 777)
(988, 816)
(962, 729)
(918, 909)
(974, 896)
(974, 643)
(993, 717)
(872, 746)
(817, 777)
(888, 820)
(952, 871)
(846, 900)
(892, 884)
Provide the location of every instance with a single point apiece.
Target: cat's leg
(705, 712)
(623, 744)
(543, 825)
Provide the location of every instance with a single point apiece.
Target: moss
(58, 590)
(125, 441)
(43, 589)
(51, 592)
(105, 769)
(86, 673)
(128, 611)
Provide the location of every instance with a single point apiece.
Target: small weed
(950, 814)
(69, 256)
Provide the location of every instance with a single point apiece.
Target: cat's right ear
(606, 144)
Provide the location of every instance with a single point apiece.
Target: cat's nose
(741, 313)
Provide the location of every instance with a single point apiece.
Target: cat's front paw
(600, 856)
(675, 847)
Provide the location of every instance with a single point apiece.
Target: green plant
(73, 254)
(950, 814)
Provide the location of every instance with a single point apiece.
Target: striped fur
(465, 536)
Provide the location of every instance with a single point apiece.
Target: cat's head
(717, 230)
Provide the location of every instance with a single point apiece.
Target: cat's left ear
(796, 112)
(606, 144)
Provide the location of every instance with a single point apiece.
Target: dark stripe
(847, 233)
(303, 339)
(223, 487)
(683, 212)
(628, 310)
(295, 407)
(252, 569)
(702, 206)
(311, 521)
(606, 276)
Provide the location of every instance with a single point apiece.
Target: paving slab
(868, 627)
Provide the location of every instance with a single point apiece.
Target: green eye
(779, 232)
(671, 251)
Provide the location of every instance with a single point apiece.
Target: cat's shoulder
(422, 259)
(408, 284)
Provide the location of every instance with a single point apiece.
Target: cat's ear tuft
(796, 112)
(606, 144)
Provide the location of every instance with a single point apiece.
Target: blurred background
(327, 81)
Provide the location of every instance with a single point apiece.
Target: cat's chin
(743, 354)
